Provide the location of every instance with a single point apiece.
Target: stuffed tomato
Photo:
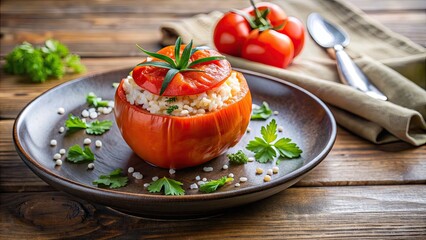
(202, 110)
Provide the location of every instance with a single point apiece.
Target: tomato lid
(206, 75)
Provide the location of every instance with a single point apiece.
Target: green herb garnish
(95, 101)
(76, 154)
(39, 63)
(263, 112)
(213, 185)
(265, 149)
(114, 179)
(171, 187)
(171, 99)
(98, 127)
(171, 109)
(74, 123)
(238, 158)
(181, 63)
(115, 84)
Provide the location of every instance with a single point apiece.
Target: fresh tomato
(179, 142)
(184, 83)
(230, 32)
(295, 30)
(274, 22)
(269, 47)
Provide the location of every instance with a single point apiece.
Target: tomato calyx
(180, 63)
(260, 20)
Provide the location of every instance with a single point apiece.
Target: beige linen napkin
(393, 63)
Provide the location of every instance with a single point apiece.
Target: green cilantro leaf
(269, 133)
(95, 101)
(77, 155)
(213, 185)
(264, 152)
(115, 179)
(261, 113)
(264, 148)
(171, 109)
(171, 187)
(74, 123)
(98, 127)
(238, 158)
(287, 149)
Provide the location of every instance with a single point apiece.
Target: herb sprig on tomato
(176, 72)
(262, 33)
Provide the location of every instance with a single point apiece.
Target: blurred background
(90, 27)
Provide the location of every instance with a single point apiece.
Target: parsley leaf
(171, 99)
(77, 155)
(171, 187)
(213, 185)
(287, 149)
(39, 63)
(171, 109)
(114, 179)
(269, 133)
(95, 101)
(264, 148)
(97, 128)
(74, 123)
(238, 158)
(261, 113)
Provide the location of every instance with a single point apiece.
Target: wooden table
(360, 190)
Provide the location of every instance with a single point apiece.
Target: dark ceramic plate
(304, 117)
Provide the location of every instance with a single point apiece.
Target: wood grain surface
(297, 213)
(359, 191)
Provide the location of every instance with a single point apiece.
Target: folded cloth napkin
(392, 62)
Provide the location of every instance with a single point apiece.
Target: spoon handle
(352, 75)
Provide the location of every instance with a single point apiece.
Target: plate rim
(182, 198)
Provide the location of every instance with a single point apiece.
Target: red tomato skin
(295, 30)
(276, 16)
(269, 47)
(184, 83)
(230, 33)
(179, 142)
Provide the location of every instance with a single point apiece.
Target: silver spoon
(328, 35)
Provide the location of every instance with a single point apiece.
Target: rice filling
(212, 100)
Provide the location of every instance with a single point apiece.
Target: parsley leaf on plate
(287, 149)
(96, 101)
(77, 155)
(114, 179)
(213, 185)
(98, 127)
(264, 148)
(261, 113)
(170, 186)
(74, 123)
(238, 158)
(269, 133)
